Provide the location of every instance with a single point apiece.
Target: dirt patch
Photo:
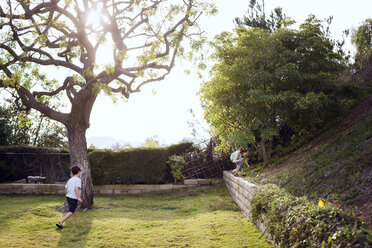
(362, 206)
(362, 203)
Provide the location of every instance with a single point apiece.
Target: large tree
(263, 79)
(73, 49)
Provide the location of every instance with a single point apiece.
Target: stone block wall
(118, 189)
(242, 192)
(28, 189)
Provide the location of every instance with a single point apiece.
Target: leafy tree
(257, 18)
(115, 146)
(92, 146)
(14, 128)
(362, 39)
(126, 146)
(53, 135)
(33, 129)
(5, 127)
(141, 40)
(152, 142)
(263, 79)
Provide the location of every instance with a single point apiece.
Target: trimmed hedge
(179, 149)
(131, 166)
(296, 222)
(134, 166)
(143, 165)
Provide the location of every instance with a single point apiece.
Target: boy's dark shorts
(72, 204)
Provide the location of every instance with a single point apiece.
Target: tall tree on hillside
(362, 39)
(73, 49)
(256, 17)
(263, 79)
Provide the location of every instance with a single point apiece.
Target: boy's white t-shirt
(71, 184)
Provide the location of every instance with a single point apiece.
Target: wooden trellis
(204, 164)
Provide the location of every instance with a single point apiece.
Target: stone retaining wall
(58, 189)
(241, 192)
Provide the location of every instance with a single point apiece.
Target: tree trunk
(79, 157)
(265, 154)
(38, 131)
(270, 149)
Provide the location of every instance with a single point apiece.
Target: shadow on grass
(76, 236)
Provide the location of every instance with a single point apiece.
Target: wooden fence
(206, 163)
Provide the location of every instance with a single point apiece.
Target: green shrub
(177, 163)
(296, 222)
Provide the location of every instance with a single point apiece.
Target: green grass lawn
(194, 217)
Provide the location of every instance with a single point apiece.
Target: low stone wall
(26, 189)
(242, 192)
(59, 189)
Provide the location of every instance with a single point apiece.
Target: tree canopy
(142, 37)
(256, 17)
(263, 79)
(362, 39)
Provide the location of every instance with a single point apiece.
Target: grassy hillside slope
(336, 165)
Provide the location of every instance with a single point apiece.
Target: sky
(166, 113)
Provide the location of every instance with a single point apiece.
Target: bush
(177, 164)
(295, 222)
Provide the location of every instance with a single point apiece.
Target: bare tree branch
(38, 94)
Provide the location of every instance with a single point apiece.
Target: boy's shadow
(76, 236)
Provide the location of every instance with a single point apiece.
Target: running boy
(72, 192)
(236, 158)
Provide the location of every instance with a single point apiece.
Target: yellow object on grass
(323, 203)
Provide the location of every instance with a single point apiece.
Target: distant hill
(107, 142)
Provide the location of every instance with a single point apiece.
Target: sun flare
(94, 19)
